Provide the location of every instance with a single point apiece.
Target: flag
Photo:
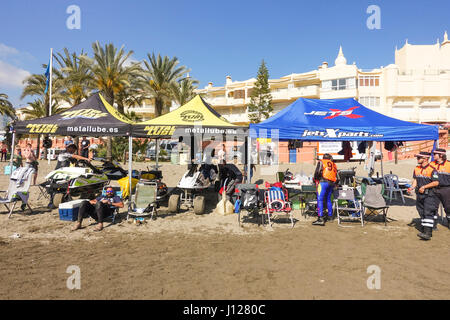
(47, 75)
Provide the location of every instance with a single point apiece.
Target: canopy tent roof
(338, 120)
(196, 116)
(92, 117)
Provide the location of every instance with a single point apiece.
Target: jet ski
(112, 169)
(64, 183)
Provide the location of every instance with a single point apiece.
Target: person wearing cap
(442, 166)
(426, 180)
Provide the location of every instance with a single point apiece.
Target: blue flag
(47, 74)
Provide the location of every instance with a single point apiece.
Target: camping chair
(347, 203)
(115, 209)
(277, 202)
(390, 182)
(374, 202)
(17, 191)
(247, 198)
(144, 200)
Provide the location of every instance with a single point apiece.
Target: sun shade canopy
(338, 120)
(194, 117)
(92, 117)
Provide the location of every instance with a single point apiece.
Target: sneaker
(319, 222)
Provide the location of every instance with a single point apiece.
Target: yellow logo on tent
(191, 116)
(160, 130)
(83, 113)
(42, 128)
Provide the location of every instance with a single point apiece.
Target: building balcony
(219, 101)
(306, 91)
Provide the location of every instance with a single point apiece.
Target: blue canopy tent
(338, 120)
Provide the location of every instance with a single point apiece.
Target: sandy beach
(188, 256)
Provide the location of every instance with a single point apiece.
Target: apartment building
(415, 88)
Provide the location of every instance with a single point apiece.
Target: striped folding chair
(277, 203)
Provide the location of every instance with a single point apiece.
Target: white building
(415, 88)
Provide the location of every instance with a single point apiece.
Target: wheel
(174, 203)
(199, 205)
(58, 199)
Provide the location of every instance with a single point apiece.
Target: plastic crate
(68, 211)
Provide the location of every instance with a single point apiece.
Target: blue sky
(217, 38)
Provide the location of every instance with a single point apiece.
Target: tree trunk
(77, 143)
(38, 155)
(109, 97)
(159, 105)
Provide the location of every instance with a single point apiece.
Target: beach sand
(188, 256)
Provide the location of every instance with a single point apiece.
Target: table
(303, 192)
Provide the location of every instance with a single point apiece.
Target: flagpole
(50, 94)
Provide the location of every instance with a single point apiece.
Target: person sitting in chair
(99, 208)
(232, 175)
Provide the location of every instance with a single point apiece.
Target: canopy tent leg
(247, 155)
(130, 170)
(156, 153)
(12, 151)
(381, 151)
(192, 149)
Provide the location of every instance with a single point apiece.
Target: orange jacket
(329, 171)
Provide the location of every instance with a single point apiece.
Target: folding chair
(374, 202)
(347, 203)
(17, 190)
(390, 182)
(277, 202)
(118, 192)
(144, 200)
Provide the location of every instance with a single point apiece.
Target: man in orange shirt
(442, 166)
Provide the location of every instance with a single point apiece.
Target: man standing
(68, 141)
(425, 182)
(442, 166)
(326, 175)
(222, 155)
(85, 147)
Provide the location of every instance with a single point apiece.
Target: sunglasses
(109, 191)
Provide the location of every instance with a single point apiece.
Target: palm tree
(36, 110)
(183, 91)
(75, 77)
(159, 76)
(110, 74)
(6, 107)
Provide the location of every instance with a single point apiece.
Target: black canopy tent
(92, 117)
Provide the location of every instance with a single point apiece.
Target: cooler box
(68, 211)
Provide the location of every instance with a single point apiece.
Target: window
(371, 102)
(339, 84)
(369, 81)
(239, 94)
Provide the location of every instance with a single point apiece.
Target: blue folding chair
(115, 209)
